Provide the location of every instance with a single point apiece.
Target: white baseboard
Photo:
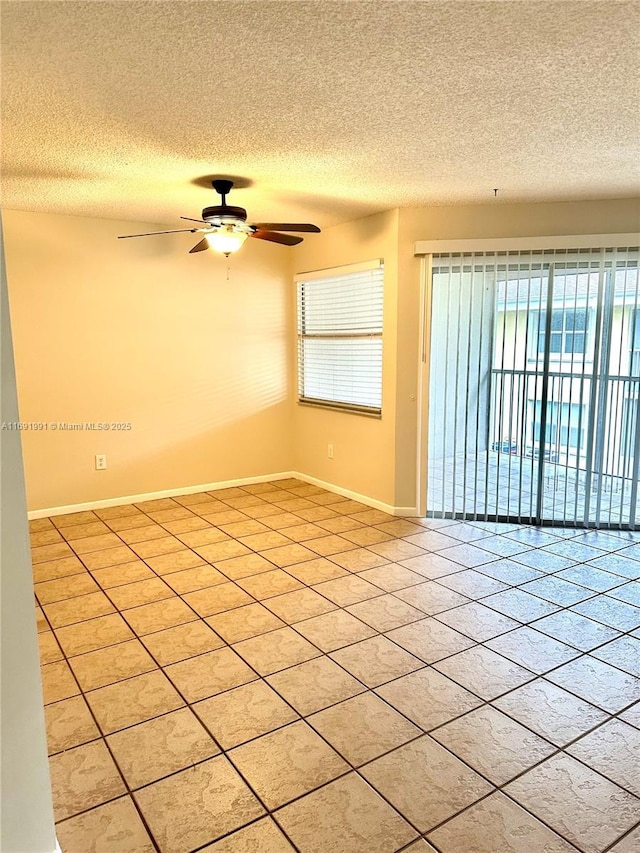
(403, 511)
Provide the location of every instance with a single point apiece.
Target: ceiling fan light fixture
(227, 238)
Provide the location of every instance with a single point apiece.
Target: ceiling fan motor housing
(221, 213)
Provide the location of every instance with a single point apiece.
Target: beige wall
(140, 331)
(364, 454)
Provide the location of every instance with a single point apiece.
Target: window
(568, 332)
(340, 337)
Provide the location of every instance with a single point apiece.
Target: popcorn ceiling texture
(334, 110)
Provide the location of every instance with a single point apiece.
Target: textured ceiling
(333, 110)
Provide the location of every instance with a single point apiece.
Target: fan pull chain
(228, 269)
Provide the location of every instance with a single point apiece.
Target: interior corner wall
(140, 333)
(363, 447)
(494, 220)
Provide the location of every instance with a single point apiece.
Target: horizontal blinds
(340, 338)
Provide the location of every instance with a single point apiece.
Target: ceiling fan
(225, 227)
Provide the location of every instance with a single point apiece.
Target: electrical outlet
(330, 451)
(101, 462)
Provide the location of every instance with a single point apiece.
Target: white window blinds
(340, 337)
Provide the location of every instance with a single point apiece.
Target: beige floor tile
(78, 609)
(114, 663)
(244, 566)
(431, 597)
(550, 711)
(595, 681)
(36, 524)
(244, 528)
(128, 522)
(497, 824)
(140, 592)
(186, 525)
(373, 516)
(45, 553)
(93, 634)
(269, 584)
(109, 557)
(218, 515)
(280, 520)
(391, 577)
(88, 544)
(400, 527)
(334, 630)
(365, 536)
(425, 782)
(221, 550)
(314, 685)
(429, 639)
(288, 555)
(632, 715)
(70, 518)
(339, 524)
(286, 763)
(210, 673)
(217, 599)
(159, 615)
(54, 569)
(123, 574)
(396, 550)
(264, 836)
(182, 642)
(197, 805)
(347, 590)
(302, 532)
(484, 672)
(532, 649)
(629, 844)
(157, 547)
(376, 660)
(298, 605)
(428, 698)
(244, 622)
(161, 746)
(613, 750)
(493, 744)
(265, 541)
(345, 815)
(49, 649)
(385, 612)
(207, 535)
(166, 564)
(244, 713)
(164, 515)
(316, 571)
(57, 682)
(69, 587)
(477, 621)
(276, 650)
(578, 803)
(358, 560)
(191, 580)
(121, 511)
(329, 544)
(69, 723)
(83, 777)
(113, 826)
(142, 533)
(133, 701)
(363, 728)
(41, 622)
(317, 514)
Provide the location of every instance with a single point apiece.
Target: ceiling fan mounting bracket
(222, 186)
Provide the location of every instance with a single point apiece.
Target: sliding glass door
(534, 386)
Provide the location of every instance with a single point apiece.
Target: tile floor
(276, 668)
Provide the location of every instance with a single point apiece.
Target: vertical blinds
(340, 338)
(535, 386)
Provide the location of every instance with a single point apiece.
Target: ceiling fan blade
(153, 233)
(200, 247)
(189, 219)
(285, 239)
(287, 226)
